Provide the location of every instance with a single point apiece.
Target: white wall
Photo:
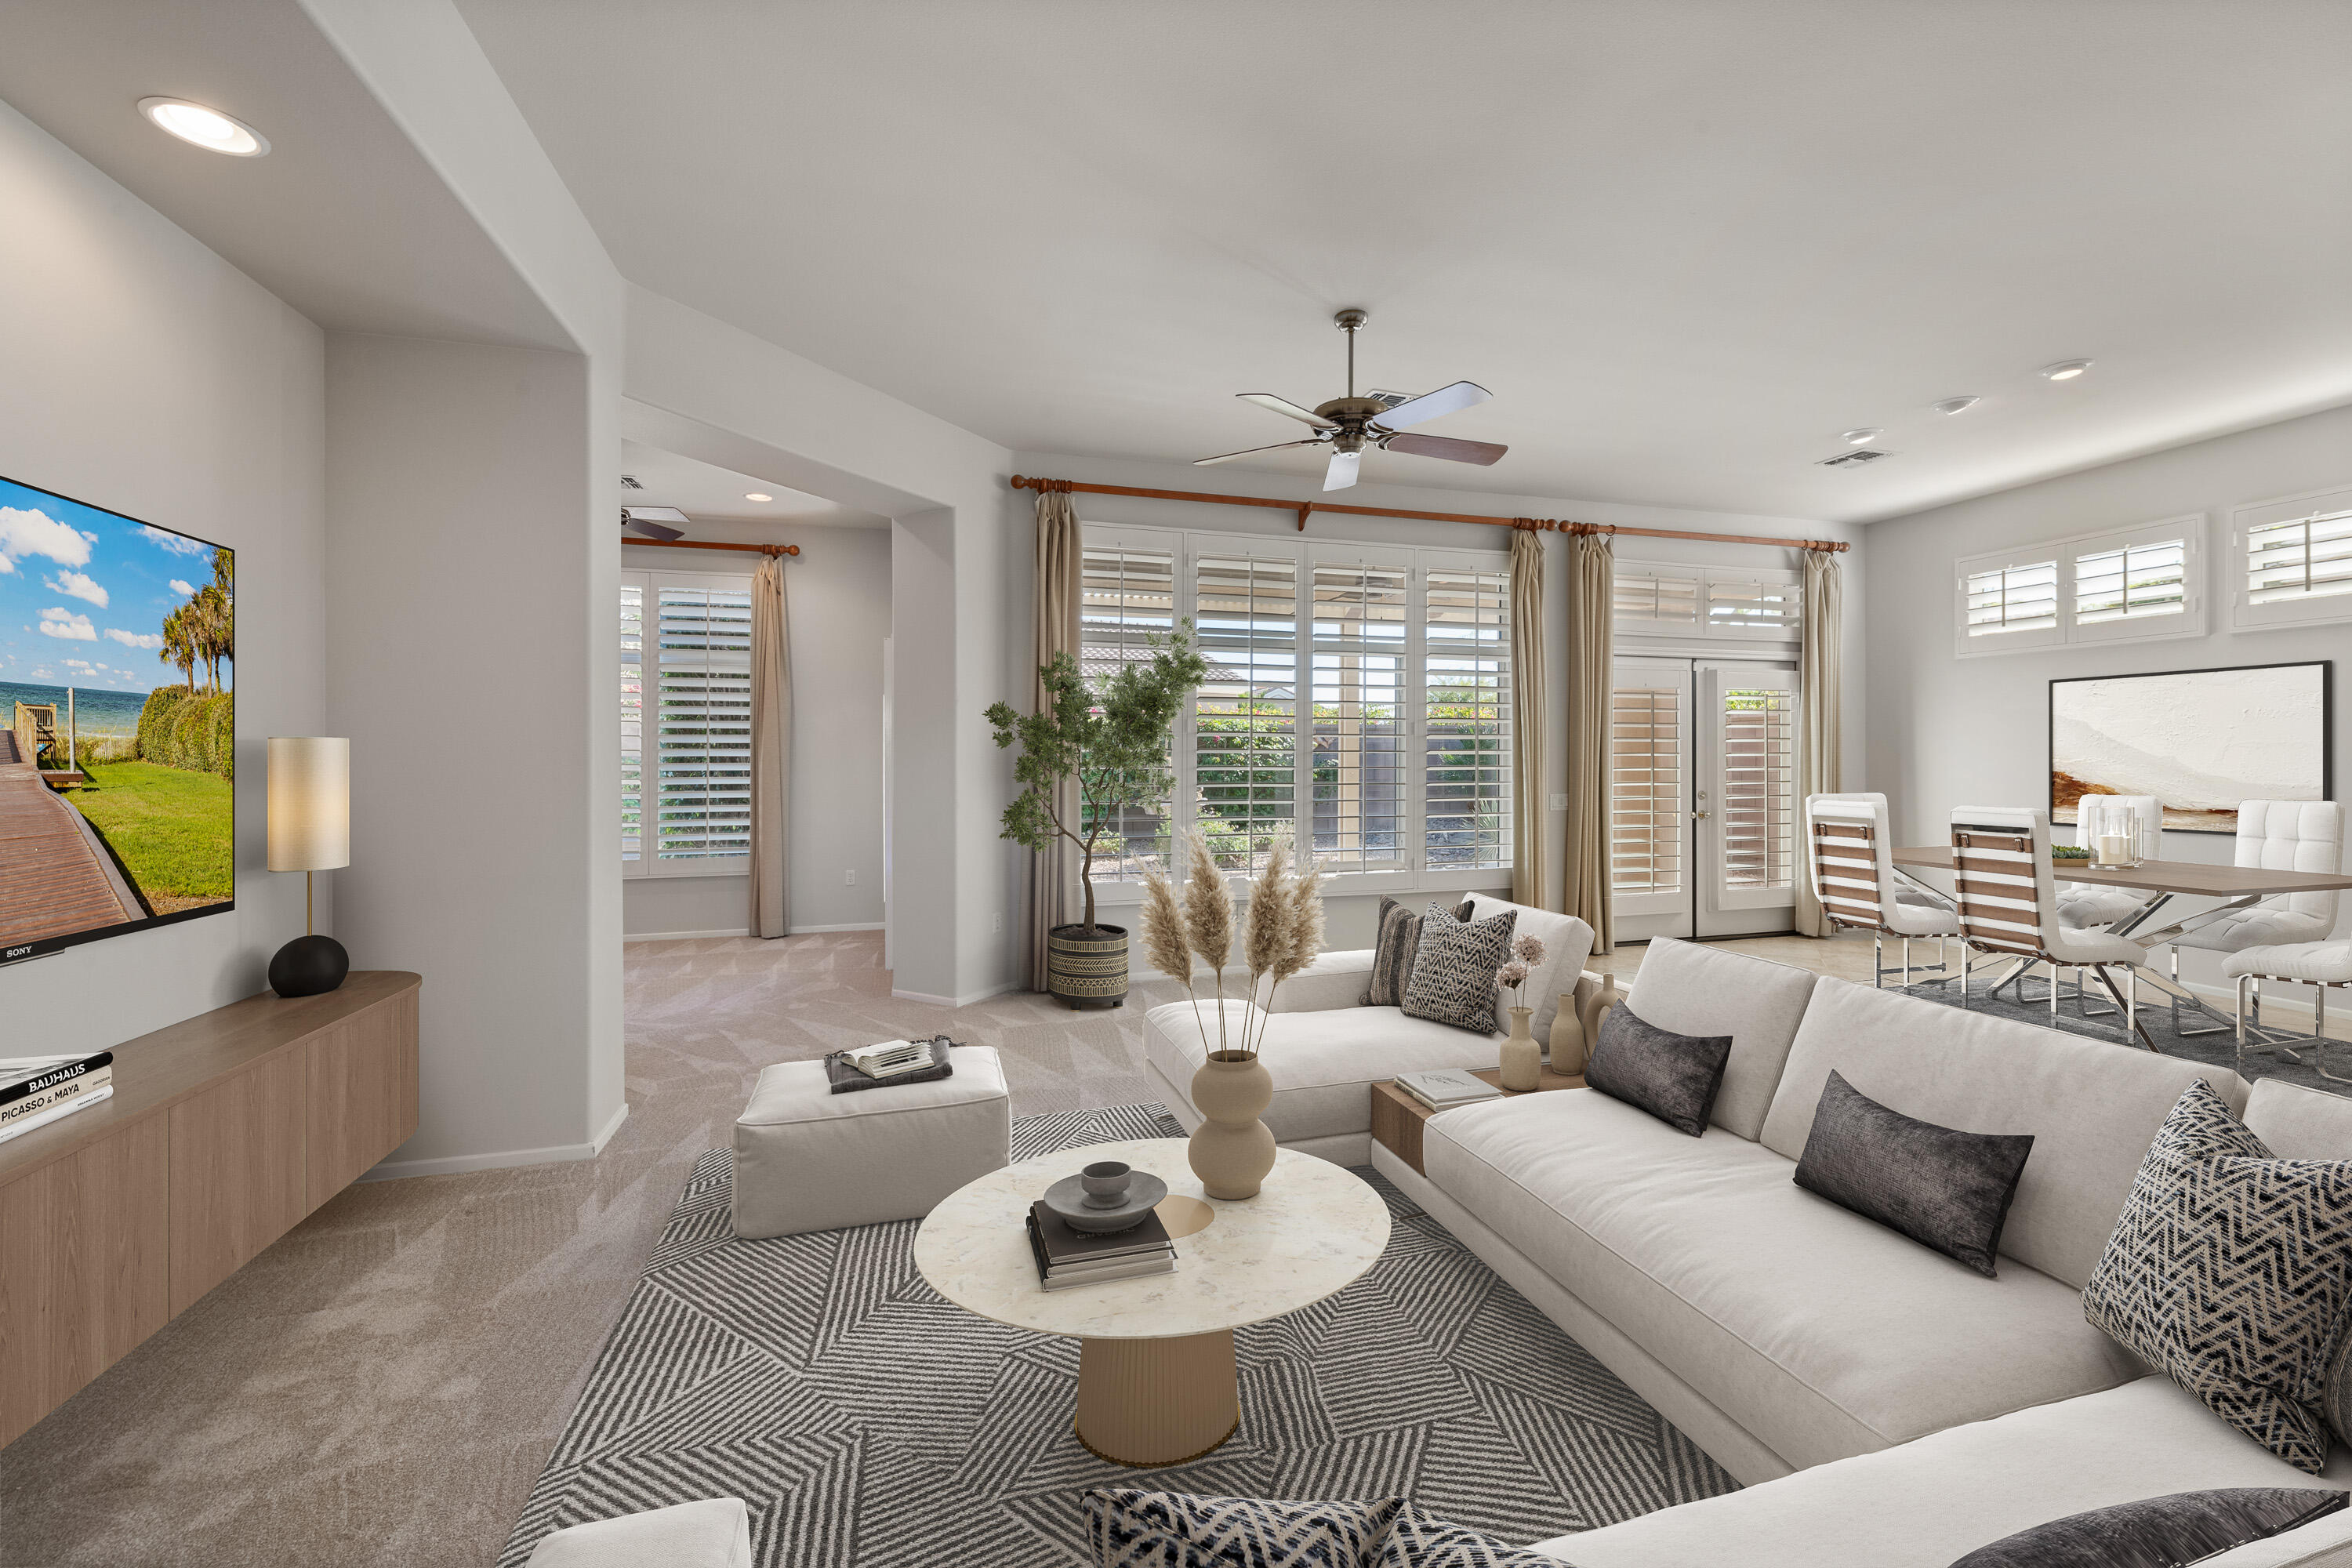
(1351, 920)
(1947, 732)
(700, 388)
(837, 597)
(147, 375)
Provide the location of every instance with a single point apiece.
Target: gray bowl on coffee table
(1068, 1198)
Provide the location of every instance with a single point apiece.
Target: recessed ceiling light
(757, 495)
(1863, 437)
(2066, 368)
(1958, 405)
(206, 128)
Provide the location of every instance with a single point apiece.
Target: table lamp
(310, 831)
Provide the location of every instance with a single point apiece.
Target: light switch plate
(1559, 803)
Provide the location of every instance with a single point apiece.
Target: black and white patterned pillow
(2232, 1271)
(1393, 951)
(1130, 1529)
(1453, 973)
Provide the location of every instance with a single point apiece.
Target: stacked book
(1067, 1258)
(891, 1058)
(37, 1090)
(1444, 1090)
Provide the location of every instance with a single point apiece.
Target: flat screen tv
(118, 724)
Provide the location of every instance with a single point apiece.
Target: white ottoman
(808, 1159)
(713, 1533)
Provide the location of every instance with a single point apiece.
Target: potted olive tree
(1112, 743)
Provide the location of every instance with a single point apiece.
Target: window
(1466, 727)
(1646, 809)
(1125, 599)
(1652, 599)
(2136, 585)
(1757, 797)
(1359, 698)
(2005, 600)
(686, 711)
(2295, 555)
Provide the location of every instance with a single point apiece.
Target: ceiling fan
(649, 520)
(1348, 425)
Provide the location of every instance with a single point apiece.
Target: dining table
(2153, 923)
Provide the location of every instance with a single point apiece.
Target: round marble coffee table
(1156, 1376)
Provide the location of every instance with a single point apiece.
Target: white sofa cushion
(1323, 1064)
(1821, 1333)
(2092, 1107)
(1926, 1503)
(1697, 990)
(1568, 943)
(2299, 1123)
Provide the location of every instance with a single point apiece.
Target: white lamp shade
(309, 803)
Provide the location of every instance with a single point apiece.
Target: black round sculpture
(308, 967)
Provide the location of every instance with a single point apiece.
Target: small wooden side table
(1397, 1117)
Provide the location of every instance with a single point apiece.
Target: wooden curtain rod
(702, 544)
(1533, 524)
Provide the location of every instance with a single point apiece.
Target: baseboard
(981, 995)
(853, 925)
(681, 935)
(499, 1160)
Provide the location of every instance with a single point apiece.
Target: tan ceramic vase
(1231, 1151)
(1595, 995)
(1568, 1042)
(1522, 1061)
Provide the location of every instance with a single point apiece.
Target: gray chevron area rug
(870, 1423)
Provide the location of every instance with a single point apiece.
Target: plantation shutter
(1359, 608)
(702, 635)
(2308, 558)
(2006, 599)
(1246, 715)
(1755, 804)
(633, 714)
(1759, 607)
(1647, 816)
(1467, 718)
(1650, 601)
(1126, 595)
(2131, 581)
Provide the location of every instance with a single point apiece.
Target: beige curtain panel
(1591, 654)
(1059, 573)
(1819, 663)
(771, 751)
(1530, 854)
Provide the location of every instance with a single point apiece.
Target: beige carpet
(384, 1383)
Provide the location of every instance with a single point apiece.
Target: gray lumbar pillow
(1453, 973)
(1942, 1188)
(2186, 1527)
(1673, 1076)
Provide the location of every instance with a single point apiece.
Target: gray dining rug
(868, 1421)
(2216, 1050)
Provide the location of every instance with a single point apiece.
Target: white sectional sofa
(1325, 1051)
(1885, 1405)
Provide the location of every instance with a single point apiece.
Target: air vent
(1854, 459)
(629, 482)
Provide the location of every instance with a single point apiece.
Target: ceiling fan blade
(652, 530)
(1278, 447)
(1445, 446)
(1430, 404)
(642, 520)
(1342, 471)
(1282, 406)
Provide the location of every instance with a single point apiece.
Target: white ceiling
(344, 220)
(1685, 244)
(703, 491)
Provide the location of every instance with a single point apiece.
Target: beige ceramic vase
(1522, 1061)
(1595, 995)
(1231, 1151)
(1568, 1042)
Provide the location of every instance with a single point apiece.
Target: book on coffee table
(1067, 1257)
(1447, 1088)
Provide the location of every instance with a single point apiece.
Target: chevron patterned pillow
(1453, 972)
(1130, 1529)
(2232, 1271)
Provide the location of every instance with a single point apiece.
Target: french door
(1703, 797)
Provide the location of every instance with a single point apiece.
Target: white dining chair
(2324, 966)
(2009, 906)
(1861, 888)
(2276, 835)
